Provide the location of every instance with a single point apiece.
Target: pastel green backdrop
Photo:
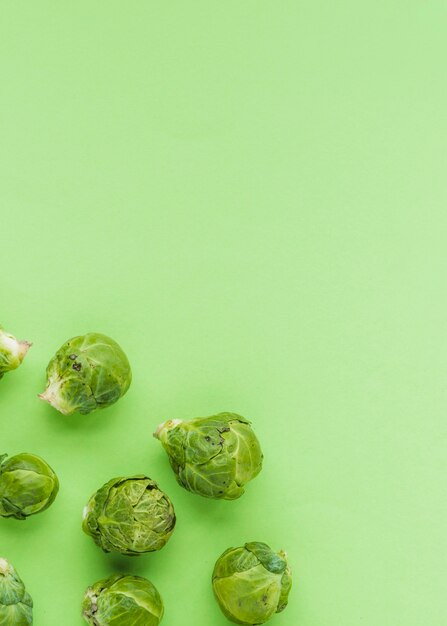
(250, 197)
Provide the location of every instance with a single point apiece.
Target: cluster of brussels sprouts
(214, 457)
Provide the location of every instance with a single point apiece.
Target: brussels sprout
(122, 601)
(252, 583)
(12, 352)
(16, 605)
(215, 456)
(130, 516)
(87, 373)
(28, 485)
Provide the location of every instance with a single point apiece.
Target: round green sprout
(12, 352)
(122, 601)
(252, 583)
(28, 485)
(87, 373)
(215, 456)
(16, 605)
(130, 516)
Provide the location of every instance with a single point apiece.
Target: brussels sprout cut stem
(252, 583)
(215, 456)
(130, 516)
(16, 605)
(122, 601)
(28, 485)
(87, 373)
(12, 352)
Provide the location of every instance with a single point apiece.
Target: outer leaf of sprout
(12, 352)
(28, 486)
(16, 605)
(88, 372)
(251, 583)
(215, 456)
(129, 515)
(123, 601)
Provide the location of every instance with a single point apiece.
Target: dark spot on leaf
(208, 438)
(77, 367)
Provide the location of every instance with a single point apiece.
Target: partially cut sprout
(12, 352)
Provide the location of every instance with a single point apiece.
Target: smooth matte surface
(250, 198)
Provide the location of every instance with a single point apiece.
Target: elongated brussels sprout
(16, 605)
(252, 583)
(12, 352)
(28, 485)
(215, 456)
(130, 516)
(87, 373)
(122, 601)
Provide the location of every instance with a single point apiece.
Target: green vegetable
(16, 605)
(122, 601)
(12, 352)
(130, 516)
(215, 456)
(87, 373)
(28, 486)
(252, 583)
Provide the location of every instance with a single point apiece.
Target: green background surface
(250, 197)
